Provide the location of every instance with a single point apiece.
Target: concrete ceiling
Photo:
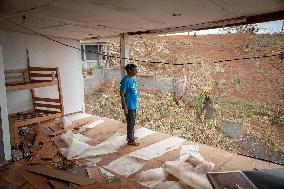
(84, 19)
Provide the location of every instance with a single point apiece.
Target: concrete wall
(143, 82)
(45, 53)
(5, 138)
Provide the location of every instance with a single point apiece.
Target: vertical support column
(124, 53)
(4, 126)
(59, 90)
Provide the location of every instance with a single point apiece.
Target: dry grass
(160, 112)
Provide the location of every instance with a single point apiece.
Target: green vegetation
(276, 120)
(246, 109)
(200, 103)
(215, 84)
(237, 81)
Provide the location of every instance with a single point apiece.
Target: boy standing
(129, 101)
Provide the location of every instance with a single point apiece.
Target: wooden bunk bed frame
(43, 108)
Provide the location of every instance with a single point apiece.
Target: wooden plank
(47, 99)
(13, 77)
(38, 181)
(40, 75)
(50, 153)
(27, 185)
(12, 83)
(15, 71)
(41, 69)
(39, 80)
(61, 175)
(30, 85)
(37, 158)
(58, 184)
(37, 104)
(76, 124)
(36, 120)
(94, 172)
(15, 83)
(47, 111)
(121, 184)
(59, 89)
(41, 139)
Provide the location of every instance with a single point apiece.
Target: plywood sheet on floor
(61, 175)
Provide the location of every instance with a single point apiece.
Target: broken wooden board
(61, 175)
(95, 172)
(41, 139)
(121, 184)
(76, 124)
(16, 182)
(27, 185)
(58, 184)
(37, 158)
(38, 181)
(50, 153)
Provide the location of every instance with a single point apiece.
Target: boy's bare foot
(133, 143)
(135, 138)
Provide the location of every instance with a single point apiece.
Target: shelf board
(29, 85)
(20, 123)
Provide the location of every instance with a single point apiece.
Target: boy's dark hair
(129, 67)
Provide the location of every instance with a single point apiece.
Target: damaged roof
(87, 19)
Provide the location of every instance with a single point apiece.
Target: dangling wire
(139, 60)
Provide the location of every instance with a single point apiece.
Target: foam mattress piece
(125, 165)
(75, 148)
(190, 168)
(113, 143)
(157, 149)
(134, 161)
(151, 177)
(77, 116)
(94, 124)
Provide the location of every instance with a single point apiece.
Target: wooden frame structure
(43, 108)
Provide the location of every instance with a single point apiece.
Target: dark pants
(130, 118)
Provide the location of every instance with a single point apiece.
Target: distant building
(92, 56)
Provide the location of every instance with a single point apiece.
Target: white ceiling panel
(81, 19)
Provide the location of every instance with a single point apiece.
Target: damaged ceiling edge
(236, 21)
(202, 26)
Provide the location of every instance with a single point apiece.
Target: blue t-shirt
(128, 87)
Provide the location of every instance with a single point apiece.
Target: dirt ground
(249, 91)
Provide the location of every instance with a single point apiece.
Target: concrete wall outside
(44, 53)
(156, 83)
(112, 74)
(143, 82)
(4, 113)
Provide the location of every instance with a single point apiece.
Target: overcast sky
(265, 27)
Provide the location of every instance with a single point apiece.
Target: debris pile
(46, 167)
(190, 170)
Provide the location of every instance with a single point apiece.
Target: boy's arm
(123, 104)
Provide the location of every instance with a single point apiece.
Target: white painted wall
(45, 53)
(4, 111)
